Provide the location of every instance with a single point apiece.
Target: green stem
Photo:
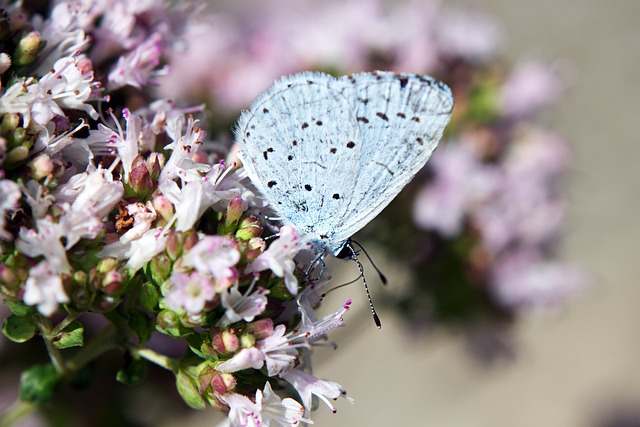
(106, 340)
(15, 413)
(44, 324)
(153, 357)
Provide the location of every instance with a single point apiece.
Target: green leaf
(38, 384)
(189, 391)
(19, 309)
(19, 329)
(149, 296)
(141, 324)
(71, 336)
(133, 373)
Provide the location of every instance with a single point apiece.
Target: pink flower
(268, 409)
(460, 182)
(278, 351)
(470, 35)
(189, 292)
(9, 198)
(217, 256)
(279, 258)
(531, 87)
(44, 288)
(307, 386)
(242, 307)
(524, 279)
(138, 67)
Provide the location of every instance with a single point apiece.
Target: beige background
(575, 367)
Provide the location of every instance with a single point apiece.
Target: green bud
(249, 228)
(231, 216)
(247, 341)
(107, 264)
(28, 48)
(9, 122)
(17, 155)
(160, 268)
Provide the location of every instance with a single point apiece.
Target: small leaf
(133, 373)
(38, 384)
(71, 336)
(141, 325)
(18, 308)
(19, 329)
(149, 296)
(189, 391)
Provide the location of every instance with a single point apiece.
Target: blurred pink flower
(190, 292)
(525, 279)
(529, 88)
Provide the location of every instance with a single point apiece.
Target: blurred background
(512, 295)
(572, 364)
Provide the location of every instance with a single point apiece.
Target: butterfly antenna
(376, 319)
(383, 278)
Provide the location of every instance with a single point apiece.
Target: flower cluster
(113, 201)
(488, 208)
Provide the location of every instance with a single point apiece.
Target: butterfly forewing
(296, 136)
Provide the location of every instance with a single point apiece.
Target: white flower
(46, 242)
(138, 67)
(268, 408)
(307, 386)
(279, 258)
(183, 147)
(44, 288)
(190, 292)
(143, 216)
(217, 256)
(197, 193)
(9, 198)
(278, 351)
(139, 251)
(98, 196)
(242, 307)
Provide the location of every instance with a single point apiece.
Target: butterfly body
(330, 153)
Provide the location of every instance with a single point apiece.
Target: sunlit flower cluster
(114, 201)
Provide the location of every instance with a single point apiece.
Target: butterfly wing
(401, 118)
(329, 154)
(294, 148)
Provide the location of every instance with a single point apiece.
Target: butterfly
(329, 154)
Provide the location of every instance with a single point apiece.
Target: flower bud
(140, 179)
(232, 215)
(112, 282)
(17, 155)
(155, 162)
(5, 62)
(28, 48)
(247, 341)
(230, 341)
(255, 247)
(9, 122)
(41, 167)
(223, 383)
(107, 264)
(160, 268)
(163, 206)
(249, 228)
(261, 328)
